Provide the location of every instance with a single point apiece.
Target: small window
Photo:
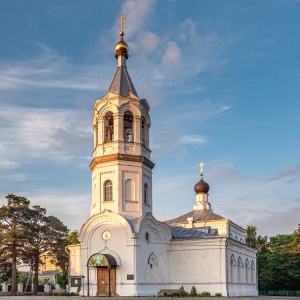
(147, 237)
(108, 190)
(146, 193)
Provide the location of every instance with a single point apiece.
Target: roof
(122, 84)
(179, 232)
(198, 215)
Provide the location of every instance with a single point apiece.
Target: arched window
(146, 193)
(247, 270)
(144, 132)
(240, 265)
(129, 190)
(152, 260)
(108, 190)
(109, 127)
(128, 127)
(232, 268)
(253, 281)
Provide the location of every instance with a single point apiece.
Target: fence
(280, 292)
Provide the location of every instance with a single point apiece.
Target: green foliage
(62, 279)
(13, 233)
(25, 234)
(279, 262)
(251, 236)
(218, 295)
(182, 292)
(46, 234)
(23, 278)
(193, 291)
(205, 294)
(72, 238)
(45, 280)
(5, 270)
(62, 258)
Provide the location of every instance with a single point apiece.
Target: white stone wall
(118, 172)
(146, 250)
(121, 246)
(237, 233)
(200, 263)
(241, 262)
(152, 257)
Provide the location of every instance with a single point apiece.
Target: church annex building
(124, 250)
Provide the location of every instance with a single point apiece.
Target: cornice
(123, 157)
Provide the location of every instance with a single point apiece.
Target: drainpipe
(88, 280)
(226, 265)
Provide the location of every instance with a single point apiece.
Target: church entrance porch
(106, 273)
(106, 281)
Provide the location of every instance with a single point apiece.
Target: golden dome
(121, 47)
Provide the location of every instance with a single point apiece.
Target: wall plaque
(130, 277)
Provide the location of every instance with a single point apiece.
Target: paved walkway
(144, 298)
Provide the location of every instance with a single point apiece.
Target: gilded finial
(122, 18)
(201, 168)
(121, 47)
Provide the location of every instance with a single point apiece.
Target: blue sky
(221, 77)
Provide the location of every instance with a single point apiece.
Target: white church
(124, 250)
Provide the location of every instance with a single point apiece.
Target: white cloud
(148, 42)
(49, 70)
(14, 177)
(8, 164)
(192, 139)
(35, 132)
(172, 55)
(137, 14)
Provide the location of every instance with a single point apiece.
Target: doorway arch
(106, 273)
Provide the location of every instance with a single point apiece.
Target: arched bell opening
(106, 273)
(128, 127)
(144, 132)
(108, 127)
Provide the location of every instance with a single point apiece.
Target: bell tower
(121, 165)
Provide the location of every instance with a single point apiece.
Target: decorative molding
(133, 172)
(108, 201)
(152, 260)
(107, 172)
(125, 157)
(101, 220)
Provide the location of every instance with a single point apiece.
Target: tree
(13, 232)
(72, 238)
(61, 258)
(279, 263)
(46, 234)
(5, 269)
(251, 236)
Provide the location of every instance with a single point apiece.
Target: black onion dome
(201, 187)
